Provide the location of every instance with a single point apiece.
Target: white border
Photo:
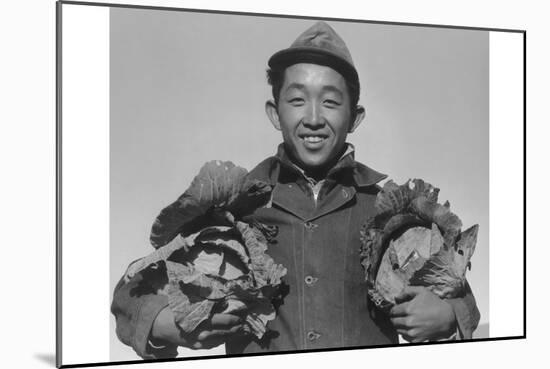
(502, 320)
(506, 185)
(28, 149)
(468, 13)
(85, 184)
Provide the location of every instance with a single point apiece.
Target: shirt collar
(362, 175)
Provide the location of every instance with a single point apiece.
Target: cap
(319, 44)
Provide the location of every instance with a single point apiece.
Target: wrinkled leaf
(265, 271)
(223, 238)
(253, 195)
(441, 215)
(439, 273)
(187, 314)
(221, 262)
(413, 240)
(465, 248)
(436, 240)
(158, 255)
(217, 184)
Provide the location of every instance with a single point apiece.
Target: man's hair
(275, 78)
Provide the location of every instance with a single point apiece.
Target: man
(321, 197)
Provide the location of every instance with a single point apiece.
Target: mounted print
(239, 184)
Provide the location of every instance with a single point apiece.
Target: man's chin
(311, 165)
(312, 161)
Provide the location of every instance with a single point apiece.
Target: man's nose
(314, 117)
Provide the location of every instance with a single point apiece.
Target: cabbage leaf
(223, 265)
(414, 240)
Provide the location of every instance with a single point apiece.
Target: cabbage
(223, 266)
(414, 240)
(221, 185)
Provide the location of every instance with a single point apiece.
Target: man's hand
(209, 333)
(420, 315)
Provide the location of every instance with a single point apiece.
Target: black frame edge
(525, 184)
(408, 345)
(228, 12)
(58, 176)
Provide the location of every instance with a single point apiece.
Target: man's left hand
(420, 315)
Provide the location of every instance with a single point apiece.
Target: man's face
(313, 114)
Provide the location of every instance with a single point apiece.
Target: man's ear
(271, 111)
(359, 116)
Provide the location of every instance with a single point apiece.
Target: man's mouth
(313, 139)
(313, 142)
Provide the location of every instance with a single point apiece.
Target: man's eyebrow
(327, 88)
(330, 88)
(295, 85)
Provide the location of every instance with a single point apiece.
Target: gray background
(189, 87)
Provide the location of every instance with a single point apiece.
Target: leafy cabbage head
(214, 261)
(414, 240)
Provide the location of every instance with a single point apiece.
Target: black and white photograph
(269, 184)
(224, 127)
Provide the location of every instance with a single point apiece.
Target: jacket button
(310, 225)
(312, 335)
(310, 281)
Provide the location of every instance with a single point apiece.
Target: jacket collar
(282, 174)
(362, 175)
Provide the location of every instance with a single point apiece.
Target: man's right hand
(209, 333)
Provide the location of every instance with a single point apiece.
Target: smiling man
(321, 197)
(315, 112)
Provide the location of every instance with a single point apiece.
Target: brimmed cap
(319, 44)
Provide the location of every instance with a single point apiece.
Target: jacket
(325, 302)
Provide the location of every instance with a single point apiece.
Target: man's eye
(332, 103)
(296, 101)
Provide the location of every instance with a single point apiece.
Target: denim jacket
(325, 303)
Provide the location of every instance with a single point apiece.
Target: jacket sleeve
(466, 312)
(136, 304)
